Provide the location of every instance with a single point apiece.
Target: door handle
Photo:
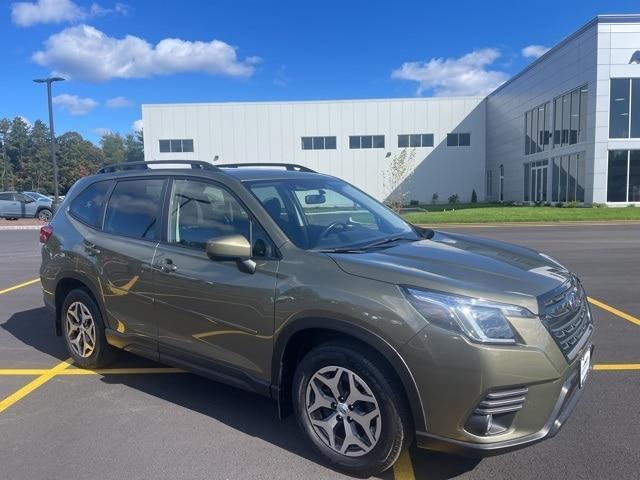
(167, 266)
(91, 249)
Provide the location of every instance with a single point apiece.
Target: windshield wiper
(363, 248)
(386, 241)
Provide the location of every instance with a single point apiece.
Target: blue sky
(120, 55)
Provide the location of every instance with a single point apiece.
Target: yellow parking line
(33, 385)
(79, 371)
(615, 311)
(403, 468)
(617, 366)
(15, 287)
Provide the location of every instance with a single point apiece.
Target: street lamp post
(52, 143)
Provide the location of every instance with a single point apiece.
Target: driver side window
(200, 211)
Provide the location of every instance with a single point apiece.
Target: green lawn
(494, 214)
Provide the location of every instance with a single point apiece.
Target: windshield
(37, 196)
(326, 213)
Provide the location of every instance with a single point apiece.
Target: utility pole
(52, 143)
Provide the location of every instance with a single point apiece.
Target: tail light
(45, 233)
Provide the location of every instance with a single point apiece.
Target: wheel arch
(301, 335)
(70, 280)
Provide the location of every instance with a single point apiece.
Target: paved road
(169, 426)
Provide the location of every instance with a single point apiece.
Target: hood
(461, 264)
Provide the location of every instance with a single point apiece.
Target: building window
(570, 117)
(366, 141)
(458, 139)
(415, 140)
(623, 176)
(176, 145)
(568, 178)
(489, 186)
(624, 108)
(318, 143)
(537, 129)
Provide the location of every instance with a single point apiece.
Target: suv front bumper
(570, 393)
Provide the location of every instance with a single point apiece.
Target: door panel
(213, 312)
(124, 253)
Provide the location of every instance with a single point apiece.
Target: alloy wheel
(44, 216)
(81, 329)
(343, 411)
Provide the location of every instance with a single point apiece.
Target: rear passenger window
(87, 207)
(134, 208)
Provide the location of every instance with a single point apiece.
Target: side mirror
(232, 247)
(229, 247)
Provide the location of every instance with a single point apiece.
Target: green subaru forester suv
(298, 286)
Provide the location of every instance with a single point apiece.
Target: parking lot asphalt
(126, 425)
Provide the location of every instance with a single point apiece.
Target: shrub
(599, 205)
(474, 196)
(453, 198)
(571, 205)
(414, 203)
(434, 197)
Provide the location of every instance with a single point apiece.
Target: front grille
(566, 315)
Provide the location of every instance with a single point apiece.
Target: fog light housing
(496, 411)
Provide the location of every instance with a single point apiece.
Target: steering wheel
(329, 228)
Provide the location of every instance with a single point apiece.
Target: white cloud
(118, 102)
(466, 75)
(85, 53)
(137, 126)
(101, 131)
(534, 51)
(26, 14)
(74, 104)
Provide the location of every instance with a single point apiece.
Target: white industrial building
(566, 128)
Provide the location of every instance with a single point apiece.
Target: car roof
(240, 173)
(266, 173)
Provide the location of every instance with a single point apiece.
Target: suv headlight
(480, 320)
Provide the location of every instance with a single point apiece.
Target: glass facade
(623, 177)
(537, 129)
(568, 178)
(624, 108)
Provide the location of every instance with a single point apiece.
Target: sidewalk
(20, 224)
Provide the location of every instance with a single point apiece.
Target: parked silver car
(14, 205)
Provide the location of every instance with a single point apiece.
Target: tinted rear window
(87, 207)
(134, 208)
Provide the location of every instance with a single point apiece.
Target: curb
(4, 228)
(613, 223)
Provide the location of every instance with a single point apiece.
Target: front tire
(350, 408)
(83, 330)
(45, 215)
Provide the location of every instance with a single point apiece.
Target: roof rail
(195, 164)
(287, 166)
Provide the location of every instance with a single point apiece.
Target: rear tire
(364, 430)
(83, 330)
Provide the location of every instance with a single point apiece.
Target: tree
(5, 126)
(77, 157)
(474, 196)
(113, 148)
(396, 177)
(134, 150)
